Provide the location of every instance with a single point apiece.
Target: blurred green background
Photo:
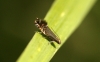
(17, 28)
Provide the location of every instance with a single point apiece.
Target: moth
(43, 27)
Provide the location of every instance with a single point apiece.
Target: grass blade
(63, 17)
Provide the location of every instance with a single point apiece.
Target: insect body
(42, 25)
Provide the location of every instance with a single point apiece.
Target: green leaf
(63, 17)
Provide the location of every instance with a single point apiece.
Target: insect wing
(51, 35)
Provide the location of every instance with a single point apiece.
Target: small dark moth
(42, 25)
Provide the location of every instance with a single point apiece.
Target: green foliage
(63, 17)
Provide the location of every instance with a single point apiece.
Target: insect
(43, 27)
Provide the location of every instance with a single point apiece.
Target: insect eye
(37, 21)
